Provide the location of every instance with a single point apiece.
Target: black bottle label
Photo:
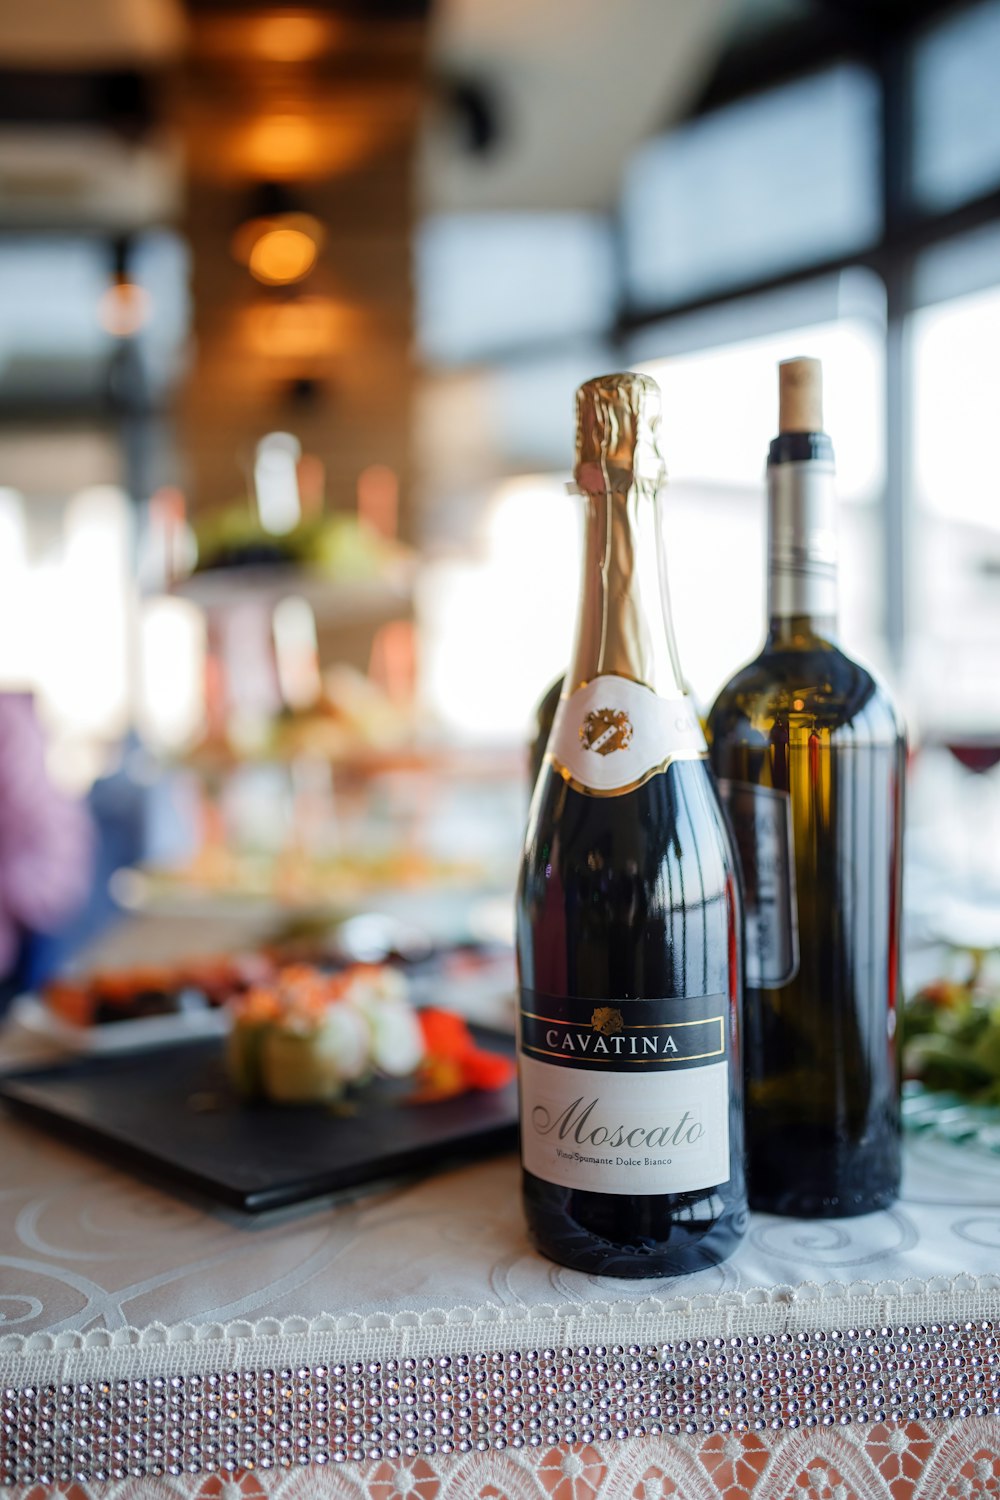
(625, 1096)
(761, 819)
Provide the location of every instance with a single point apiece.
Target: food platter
(173, 1113)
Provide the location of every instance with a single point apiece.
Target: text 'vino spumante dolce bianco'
(810, 757)
(628, 917)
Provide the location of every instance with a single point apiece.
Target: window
(720, 408)
(956, 487)
(497, 628)
(781, 180)
(956, 141)
(67, 603)
(488, 283)
(52, 343)
(953, 642)
(517, 597)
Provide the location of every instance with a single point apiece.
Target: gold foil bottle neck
(617, 434)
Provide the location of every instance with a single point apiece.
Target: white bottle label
(628, 1096)
(612, 734)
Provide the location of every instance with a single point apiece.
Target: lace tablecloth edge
(191, 1347)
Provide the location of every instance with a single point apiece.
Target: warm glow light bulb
(291, 38)
(282, 255)
(124, 308)
(282, 145)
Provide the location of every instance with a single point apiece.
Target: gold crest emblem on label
(607, 1020)
(606, 730)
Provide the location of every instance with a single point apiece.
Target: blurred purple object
(46, 840)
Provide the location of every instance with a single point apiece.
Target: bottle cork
(800, 395)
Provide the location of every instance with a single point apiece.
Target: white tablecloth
(141, 1315)
(88, 1253)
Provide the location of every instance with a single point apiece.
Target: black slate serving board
(174, 1113)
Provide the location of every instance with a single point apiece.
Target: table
(413, 1343)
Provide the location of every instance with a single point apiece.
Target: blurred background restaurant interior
(293, 303)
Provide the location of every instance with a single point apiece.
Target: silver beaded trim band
(329, 1413)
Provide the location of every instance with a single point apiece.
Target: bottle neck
(624, 626)
(801, 540)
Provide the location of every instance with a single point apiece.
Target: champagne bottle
(628, 918)
(810, 755)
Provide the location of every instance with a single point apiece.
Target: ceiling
(569, 86)
(530, 105)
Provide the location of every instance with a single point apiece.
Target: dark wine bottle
(628, 917)
(545, 715)
(810, 755)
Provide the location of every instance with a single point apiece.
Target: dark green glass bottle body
(635, 897)
(806, 722)
(545, 715)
